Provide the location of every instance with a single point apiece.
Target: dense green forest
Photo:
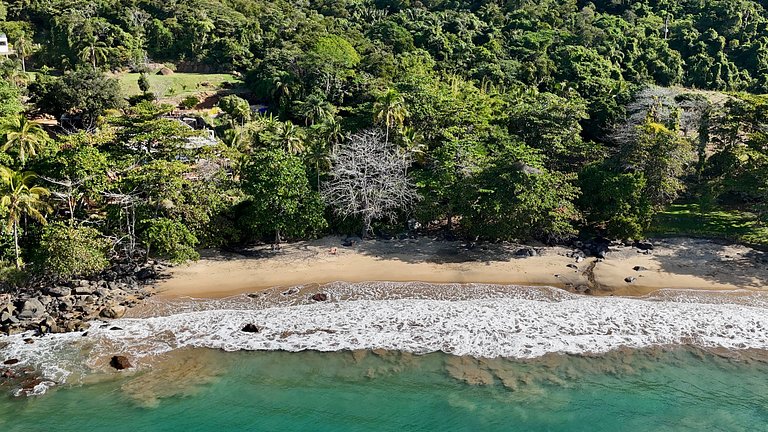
(497, 120)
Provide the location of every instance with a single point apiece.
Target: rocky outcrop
(113, 311)
(526, 252)
(251, 328)
(319, 297)
(120, 362)
(60, 306)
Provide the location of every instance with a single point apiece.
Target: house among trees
(4, 48)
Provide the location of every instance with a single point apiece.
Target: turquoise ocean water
(676, 389)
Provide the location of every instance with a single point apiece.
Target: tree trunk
(16, 245)
(277, 239)
(366, 227)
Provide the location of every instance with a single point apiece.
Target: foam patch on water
(493, 325)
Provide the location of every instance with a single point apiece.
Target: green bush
(144, 83)
(189, 102)
(67, 250)
(170, 239)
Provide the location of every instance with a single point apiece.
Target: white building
(4, 49)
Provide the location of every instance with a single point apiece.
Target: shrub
(189, 102)
(67, 250)
(170, 239)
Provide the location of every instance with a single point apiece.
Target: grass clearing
(178, 85)
(689, 220)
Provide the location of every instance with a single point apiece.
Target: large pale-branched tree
(21, 198)
(23, 137)
(368, 179)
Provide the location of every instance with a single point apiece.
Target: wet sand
(679, 263)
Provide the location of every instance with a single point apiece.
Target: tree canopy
(502, 121)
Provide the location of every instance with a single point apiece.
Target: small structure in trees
(4, 48)
(369, 179)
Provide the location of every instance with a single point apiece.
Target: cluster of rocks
(48, 307)
(600, 247)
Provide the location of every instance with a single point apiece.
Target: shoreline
(476, 320)
(676, 263)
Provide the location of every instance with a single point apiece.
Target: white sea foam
(492, 325)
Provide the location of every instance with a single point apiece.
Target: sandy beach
(677, 263)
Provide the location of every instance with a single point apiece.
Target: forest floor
(674, 263)
(718, 223)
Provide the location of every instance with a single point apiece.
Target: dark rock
(11, 362)
(526, 252)
(30, 383)
(645, 246)
(291, 291)
(120, 362)
(319, 297)
(629, 279)
(29, 341)
(251, 328)
(115, 328)
(58, 291)
(639, 268)
(573, 266)
(146, 273)
(601, 251)
(32, 309)
(65, 304)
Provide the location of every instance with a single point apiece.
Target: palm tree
(319, 156)
(331, 130)
(24, 48)
(24, 137)
(413, 143)
(316, 109)
(94, 51)
(282, 88)
(19, 199)
(290, 137)
(390, 109)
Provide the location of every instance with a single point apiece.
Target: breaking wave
(476, 320)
